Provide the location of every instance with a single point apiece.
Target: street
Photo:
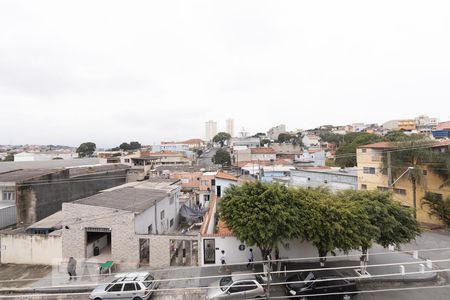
(206, 157)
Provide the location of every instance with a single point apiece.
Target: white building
(274, 132)
(116, 220)
(311, 141)
(44, 156)
(210, 129)
(426, 124)
(230, 127)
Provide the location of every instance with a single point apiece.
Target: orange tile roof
(224, 175)
(262, 150)
(222, 229)
(443, 126)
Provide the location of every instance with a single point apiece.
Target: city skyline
(300, 64)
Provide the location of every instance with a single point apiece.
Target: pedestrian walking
(223, 262)
(250, 259)
(72, 268)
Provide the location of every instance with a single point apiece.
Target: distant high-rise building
(210, 130)
(230, 127)
(274, 132)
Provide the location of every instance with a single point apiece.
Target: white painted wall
(31, 249)
(291, 249)
(224, 184)
(143, 220)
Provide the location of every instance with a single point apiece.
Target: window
(148, 280)
(325, 181)
(213, 182)
(116, 288)
(162, 214)
(204, 182)
(382, 189)
(9, 195)
(127, 160)
(400, 191)
(129, 287)
(138, 287)
(369, 170)
(364, 186)
(364, 150)
(150, 229)
(425, 172)
(171, 222)
(243, 286)
(436, 196)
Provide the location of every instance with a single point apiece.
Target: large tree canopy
(396, 224)
(86, 149)
(261, 214)
(222, 157)
(221, 138)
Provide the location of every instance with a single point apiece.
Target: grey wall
(43, 196)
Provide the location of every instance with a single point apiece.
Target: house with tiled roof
(263, 154)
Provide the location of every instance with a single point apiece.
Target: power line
(220, 276)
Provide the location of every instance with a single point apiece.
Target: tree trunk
(414, 197)
(323, 257)
(364, 260)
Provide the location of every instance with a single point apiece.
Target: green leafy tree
(395, 223)
(332, 224)
(260, 214)
(259, 135)
(86, 149)
(346, 152)
(221, 138)
(124, 146)
(222, 157)
(264, 142)
(135, 145)
(400, 136)
(331, 137)
(9, 157)
(284, 137)
(439, 207)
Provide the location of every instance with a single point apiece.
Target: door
(209, 251)
(237, 290)
(219, 191)
(115, 292)
(129, 291)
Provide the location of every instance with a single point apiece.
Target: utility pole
(389, 170)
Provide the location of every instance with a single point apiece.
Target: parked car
(238, 285)
(133, 286)
(308, 283)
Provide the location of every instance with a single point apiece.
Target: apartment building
(371, 176)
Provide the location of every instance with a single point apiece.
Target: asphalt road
(206, 158)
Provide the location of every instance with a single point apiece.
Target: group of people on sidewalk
(250, 258)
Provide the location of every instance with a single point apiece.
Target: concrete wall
(124, 243)
(160, 248)
(36, 201)
(230, 244)
(31, 249)
(333, 181)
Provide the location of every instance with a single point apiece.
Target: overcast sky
(107, 71)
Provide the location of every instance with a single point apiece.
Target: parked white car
(133, 286)
(238, 285)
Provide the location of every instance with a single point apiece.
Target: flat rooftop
(49, 164)
(127, 198)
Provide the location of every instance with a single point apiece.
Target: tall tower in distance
(210, 129)
(230, 126)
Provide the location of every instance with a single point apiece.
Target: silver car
(133, 286)
(239, 285)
